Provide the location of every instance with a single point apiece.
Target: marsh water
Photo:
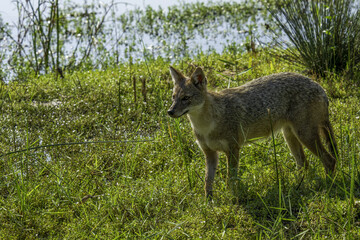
(105, 33)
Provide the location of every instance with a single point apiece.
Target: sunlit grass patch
(82, 159)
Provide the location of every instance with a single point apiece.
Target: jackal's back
(283, 94)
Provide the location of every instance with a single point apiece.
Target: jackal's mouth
(173, 115)
(184, 113)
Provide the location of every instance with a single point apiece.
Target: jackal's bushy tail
(328, 133)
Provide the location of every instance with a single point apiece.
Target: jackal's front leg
(212, 160)
(233, 163)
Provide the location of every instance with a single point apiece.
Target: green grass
(142, 174)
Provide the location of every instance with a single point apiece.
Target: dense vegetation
(93, 155)
(324, 35)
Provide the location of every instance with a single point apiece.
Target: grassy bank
(94, 156)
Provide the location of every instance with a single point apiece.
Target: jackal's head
(189, 92)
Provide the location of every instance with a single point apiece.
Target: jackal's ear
(177, 76)
(198, 77)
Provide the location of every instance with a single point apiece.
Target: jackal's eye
(185, 98)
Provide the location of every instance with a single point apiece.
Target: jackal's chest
(207, 137)
(215, 144)
(203, 129)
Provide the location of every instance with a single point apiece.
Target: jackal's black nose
(170, 112)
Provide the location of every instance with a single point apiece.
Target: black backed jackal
(223, 121)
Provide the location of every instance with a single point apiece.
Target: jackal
(224, 121)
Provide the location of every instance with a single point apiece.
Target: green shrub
(323, 34)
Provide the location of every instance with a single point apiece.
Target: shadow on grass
(308, 206)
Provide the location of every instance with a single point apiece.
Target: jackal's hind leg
(295, 148)
(311, 139)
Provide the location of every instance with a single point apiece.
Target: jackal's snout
(175, 114)
(171, 112)
(175, 111)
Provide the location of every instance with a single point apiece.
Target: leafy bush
(324, 35)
